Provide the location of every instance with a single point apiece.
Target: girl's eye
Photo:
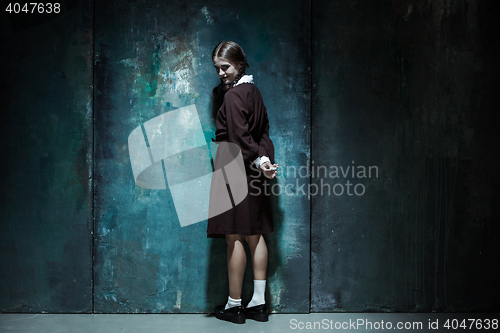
(224, 68)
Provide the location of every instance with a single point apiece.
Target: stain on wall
(406, 87)
(46, 152)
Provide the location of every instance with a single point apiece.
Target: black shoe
(258, 312)
(235, 314)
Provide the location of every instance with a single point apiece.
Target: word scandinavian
(312, 172)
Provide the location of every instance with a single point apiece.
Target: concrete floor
(200, 323)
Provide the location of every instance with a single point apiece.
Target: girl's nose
(221, 72)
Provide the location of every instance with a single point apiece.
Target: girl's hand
(269, 169)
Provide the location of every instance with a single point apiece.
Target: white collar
(245, 79)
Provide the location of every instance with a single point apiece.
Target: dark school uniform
(242, 120)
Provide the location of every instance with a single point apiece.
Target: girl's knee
(254, 239)
(231, 239)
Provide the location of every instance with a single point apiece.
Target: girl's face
(226, 70)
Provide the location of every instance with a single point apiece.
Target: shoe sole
(258, 317)
(239, 319)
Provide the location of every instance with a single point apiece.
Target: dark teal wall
(46, 161)
(407, 88)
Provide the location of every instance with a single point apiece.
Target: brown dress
(242, 119)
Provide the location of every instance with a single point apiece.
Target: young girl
(242, 120)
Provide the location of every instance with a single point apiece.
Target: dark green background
(407, 87)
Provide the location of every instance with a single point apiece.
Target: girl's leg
(258, 251)
(236, 263)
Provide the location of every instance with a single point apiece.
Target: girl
(242, 120)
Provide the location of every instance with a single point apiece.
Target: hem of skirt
(222, 234)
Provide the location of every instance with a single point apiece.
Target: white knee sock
(231, 302)
(259, 290)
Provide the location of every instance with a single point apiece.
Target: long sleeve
(242, 119)
(266, 147)
(237, 114)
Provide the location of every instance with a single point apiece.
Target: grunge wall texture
(46, 152)
(408, 87)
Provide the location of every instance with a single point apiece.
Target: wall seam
(93, 161)
(310, 140)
